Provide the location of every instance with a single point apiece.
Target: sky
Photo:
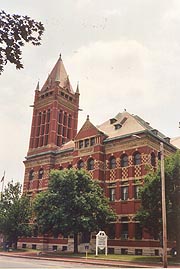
(125, 54)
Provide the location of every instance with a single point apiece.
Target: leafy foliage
(15, 213)
(15, 30)
(73, 203)
(150, 213)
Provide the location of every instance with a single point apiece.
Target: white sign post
(101, 242)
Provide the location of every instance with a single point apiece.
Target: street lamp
(163, 206)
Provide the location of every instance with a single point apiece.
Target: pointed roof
(58, 76)
(87, 128)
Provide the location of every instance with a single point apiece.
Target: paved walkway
(103, 262)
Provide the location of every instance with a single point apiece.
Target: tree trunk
(75, 243)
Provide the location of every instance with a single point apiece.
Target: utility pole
(163, 206)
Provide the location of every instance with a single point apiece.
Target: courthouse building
(118, 153)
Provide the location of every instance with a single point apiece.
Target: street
(11, 262)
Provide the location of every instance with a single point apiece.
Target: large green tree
(72, 204)
(150, 213)
(15, 31)
(15, 213)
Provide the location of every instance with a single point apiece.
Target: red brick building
(117, 153)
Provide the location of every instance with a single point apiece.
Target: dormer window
(113, 120)
(117, 126)
(167, 139)
(155, 131)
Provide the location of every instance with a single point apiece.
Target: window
(31, 174)
(61, 167)
(54, 248)
(137, 158)
(92, 141)
(86, 143)
(69, 166)
(80, 164)
(124, 193)
(138, 231)
(60, 116)
(69, 120)
(136, 192)
(124, 231)
(112, 163)
(40, 174)
(138, 251)
(124, 251)
(90, 164)
(124, 160)
(153, 159)
(111, 231)
(24, 245)
(81, 144)
(48, 115)
(117, 126)
(112, 194)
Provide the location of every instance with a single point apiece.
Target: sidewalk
(102, 262)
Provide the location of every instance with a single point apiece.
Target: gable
(87, 130)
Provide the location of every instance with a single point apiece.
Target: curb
(84, 261)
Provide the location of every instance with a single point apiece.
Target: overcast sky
(124, 53)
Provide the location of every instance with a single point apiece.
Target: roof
(58, 76)
(87, 128)
(68, 145)
(125, 123)
(176, 142)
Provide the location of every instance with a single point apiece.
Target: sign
(101, 241)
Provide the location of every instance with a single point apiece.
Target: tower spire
(37, 87)
(77, 88)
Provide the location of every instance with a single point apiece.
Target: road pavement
(35, 260)
(7, 262)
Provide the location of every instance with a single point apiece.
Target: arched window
(112, 163)
(137, 158)
(124, 160)
(90, 164)
(31, 174)
(153, 159)
(61, 167)
(40, 173)
(69, 166)
(80, 164)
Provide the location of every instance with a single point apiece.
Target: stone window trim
(90, 164)
(80, 164)
(124, 160)
(31, 174)
(136, 158)
(40, 173)
(112, 162)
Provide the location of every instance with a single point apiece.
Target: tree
(15, 30)
(15, 213)
(150, 215)
(73, 203)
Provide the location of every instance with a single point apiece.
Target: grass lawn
(124, 258)
(128, 258)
